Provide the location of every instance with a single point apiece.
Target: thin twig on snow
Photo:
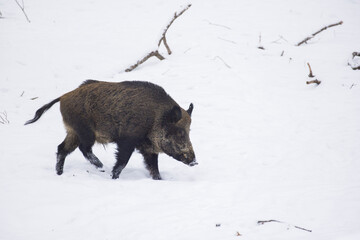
(218, 25)
(310, 74)
(22, 7)
(227, 65)
(4, 118)
(163, 37)
(226, 40)
(152, 54)
(276, 221)
(316, 33)
(260, 46)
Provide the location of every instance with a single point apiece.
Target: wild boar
(133, 114)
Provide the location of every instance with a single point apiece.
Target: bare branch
(226, 40)
(163, 38)
(4, 118)
(218, 25)
(261, 222)
(152, 54)
(313, 81)
(22, 7)
(222, 61)
(316, 33)
(310, 74)
(260, 46)
(280, 38)
(276, 221)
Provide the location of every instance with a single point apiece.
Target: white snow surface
(269, 146)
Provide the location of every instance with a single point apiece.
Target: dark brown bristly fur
(132, 114)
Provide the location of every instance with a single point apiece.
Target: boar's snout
(189, 158)
(193, 163)
(185, 155)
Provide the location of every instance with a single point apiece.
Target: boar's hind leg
(87, 140)
(123, 154)
(151, 162)
(70, 143)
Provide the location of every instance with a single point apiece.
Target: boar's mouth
(188, 161)
(193, 163)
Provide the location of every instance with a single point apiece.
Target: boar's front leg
(151, 161)
(123, 154)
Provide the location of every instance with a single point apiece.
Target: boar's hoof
(59, 172)
(59, 169)
(98, 164)
(156, 177)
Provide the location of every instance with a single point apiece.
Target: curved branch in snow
(316, 33)
(163, 37)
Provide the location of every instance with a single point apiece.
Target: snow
(269, 146)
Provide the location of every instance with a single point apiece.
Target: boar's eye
(180, 133)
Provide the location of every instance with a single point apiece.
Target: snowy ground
(268, 145)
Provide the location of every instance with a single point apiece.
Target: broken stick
(310, 74)
(313, 81)
(316, 33)
(152, 54)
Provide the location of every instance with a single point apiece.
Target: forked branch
(162, 39)
(163, 36)
(312, 76)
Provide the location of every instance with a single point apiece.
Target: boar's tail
(42, 110)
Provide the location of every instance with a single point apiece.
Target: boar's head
(175, 140)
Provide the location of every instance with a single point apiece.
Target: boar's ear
(191, 107)
(174, 115)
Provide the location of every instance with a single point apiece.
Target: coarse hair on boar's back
(133, 114)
